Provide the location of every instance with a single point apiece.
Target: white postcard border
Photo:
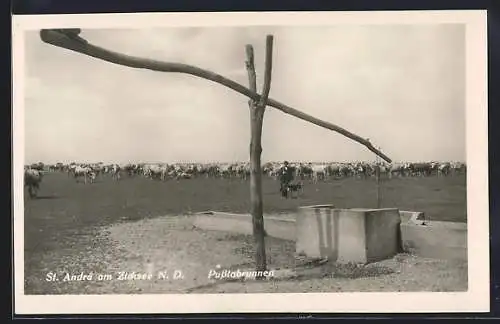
(476, 299)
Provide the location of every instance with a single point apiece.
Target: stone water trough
(359, 235)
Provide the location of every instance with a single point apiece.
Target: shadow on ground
(300, 269)
(313, 269)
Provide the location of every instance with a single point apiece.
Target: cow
(115, 171)
(458, 167)
(444, 169)
(32, 180)
(305, 171)
(361, 170)
(420, 169)
(98, 169)
(59, 166)
(130, 169)
(37, 166)
(156, 172)
(85, 172)
(397, 169)
(212, 171)
(243, 171)
(345, 170)
(332, 170)
(319, 172)
(225, 170)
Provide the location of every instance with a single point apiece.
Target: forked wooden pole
(257, 109)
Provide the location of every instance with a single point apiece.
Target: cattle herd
(89, 172)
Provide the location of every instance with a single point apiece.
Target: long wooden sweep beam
(69, 39)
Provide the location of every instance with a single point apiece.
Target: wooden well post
(257, 109)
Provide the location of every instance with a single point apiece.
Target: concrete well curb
(418, 235)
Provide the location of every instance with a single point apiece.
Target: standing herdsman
(285, 177)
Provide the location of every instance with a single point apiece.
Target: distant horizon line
(239, 161)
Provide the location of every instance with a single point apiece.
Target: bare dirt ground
(171, 246)
(114, 226)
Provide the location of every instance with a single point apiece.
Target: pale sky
(401, 86)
